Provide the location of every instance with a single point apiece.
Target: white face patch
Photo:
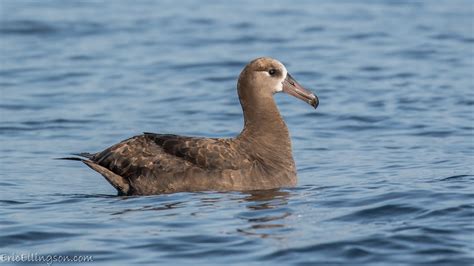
(279, 87)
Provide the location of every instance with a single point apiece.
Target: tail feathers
(70, 158)
(118, 182)
(84, 154)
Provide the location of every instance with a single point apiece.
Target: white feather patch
(279, 87)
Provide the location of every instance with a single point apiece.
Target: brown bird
(259, 158)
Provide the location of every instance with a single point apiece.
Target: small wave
(41, 28)
(260, 39)
(60, 77)
(26, 27)
(356, 128)
(337, 250)
(243, 25)
(417, 53)
(28, 236)
(465, 101)
(9, 129)
(461, 211)
(363, 118)
(343, 78)
(12, 202)
(371, 68)
(452, 37)
(220, 79)
(163, 207)
(209, 65)
(202, 21)
(435, 133)
(366, 36)
(53, 124)
(83, 196)
(18, 107)
(313, 29)
(384, 212)
(59, 121)
(455, 177)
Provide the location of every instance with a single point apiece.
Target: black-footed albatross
(259, 158)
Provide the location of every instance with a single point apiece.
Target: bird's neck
(266, 139)
(264, 126)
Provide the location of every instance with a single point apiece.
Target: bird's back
(157, 163)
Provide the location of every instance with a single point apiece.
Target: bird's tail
(79, 158)
(69, 158)
(118, 182)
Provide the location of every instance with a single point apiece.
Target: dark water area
(385, 164)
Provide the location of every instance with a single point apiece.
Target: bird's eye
(272, 72)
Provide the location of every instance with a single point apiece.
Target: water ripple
(384, 164)
(40, 28)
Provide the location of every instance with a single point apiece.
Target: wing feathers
(204, 153)
(154, 156)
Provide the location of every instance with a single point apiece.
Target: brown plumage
(258, 158)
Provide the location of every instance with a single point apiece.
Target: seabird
(259, 158)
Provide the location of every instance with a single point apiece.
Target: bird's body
(260, 157)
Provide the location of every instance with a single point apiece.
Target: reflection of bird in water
(268, 210)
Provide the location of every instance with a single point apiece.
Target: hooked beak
(293, 88)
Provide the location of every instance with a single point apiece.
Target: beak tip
(314, 102)
(292, 87)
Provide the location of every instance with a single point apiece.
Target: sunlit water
(385, 163)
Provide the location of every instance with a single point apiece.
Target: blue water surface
(385, 164)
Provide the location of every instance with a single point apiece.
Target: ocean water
(385, 164)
